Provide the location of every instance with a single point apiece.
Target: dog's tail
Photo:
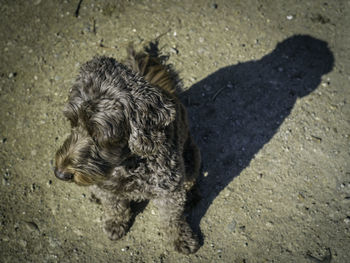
(152, 69)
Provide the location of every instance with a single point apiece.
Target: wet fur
(130, 142)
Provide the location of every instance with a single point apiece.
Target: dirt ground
(266, 84)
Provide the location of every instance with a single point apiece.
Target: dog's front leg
(171, 208)
(117, 213)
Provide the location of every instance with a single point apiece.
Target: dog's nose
(63, 176)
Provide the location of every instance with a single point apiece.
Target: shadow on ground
(235, 111)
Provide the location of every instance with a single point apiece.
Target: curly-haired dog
(130, 142)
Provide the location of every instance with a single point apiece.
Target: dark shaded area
(235, 111)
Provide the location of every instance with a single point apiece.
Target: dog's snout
(63, 176)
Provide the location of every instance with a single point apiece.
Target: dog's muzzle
(63, 176)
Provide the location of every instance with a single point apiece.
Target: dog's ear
(152, 111)
(88, 86)
(71, 110)
(104, 120)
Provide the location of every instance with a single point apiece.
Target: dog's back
(159, 75)
(152, 69)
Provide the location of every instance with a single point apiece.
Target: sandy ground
(267, 89)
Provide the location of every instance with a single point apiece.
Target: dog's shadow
(236, 110)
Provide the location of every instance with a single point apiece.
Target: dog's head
(114, 114)
(86, 161)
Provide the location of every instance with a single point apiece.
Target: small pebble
(174, 50)
(290, 17)
(22, 242)
(125, 248)
(269, 224)
(54, 242)
(7, 173)
(31, 226)
(78, 232)
(5, 182)
(301, 197)
(12, 75)
(232, 226)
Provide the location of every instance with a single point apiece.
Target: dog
(130, 141)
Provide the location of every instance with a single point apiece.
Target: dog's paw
(115, 230)
(187, 243)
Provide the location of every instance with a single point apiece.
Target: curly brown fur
(130, 142)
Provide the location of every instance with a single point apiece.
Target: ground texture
(266, 84)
